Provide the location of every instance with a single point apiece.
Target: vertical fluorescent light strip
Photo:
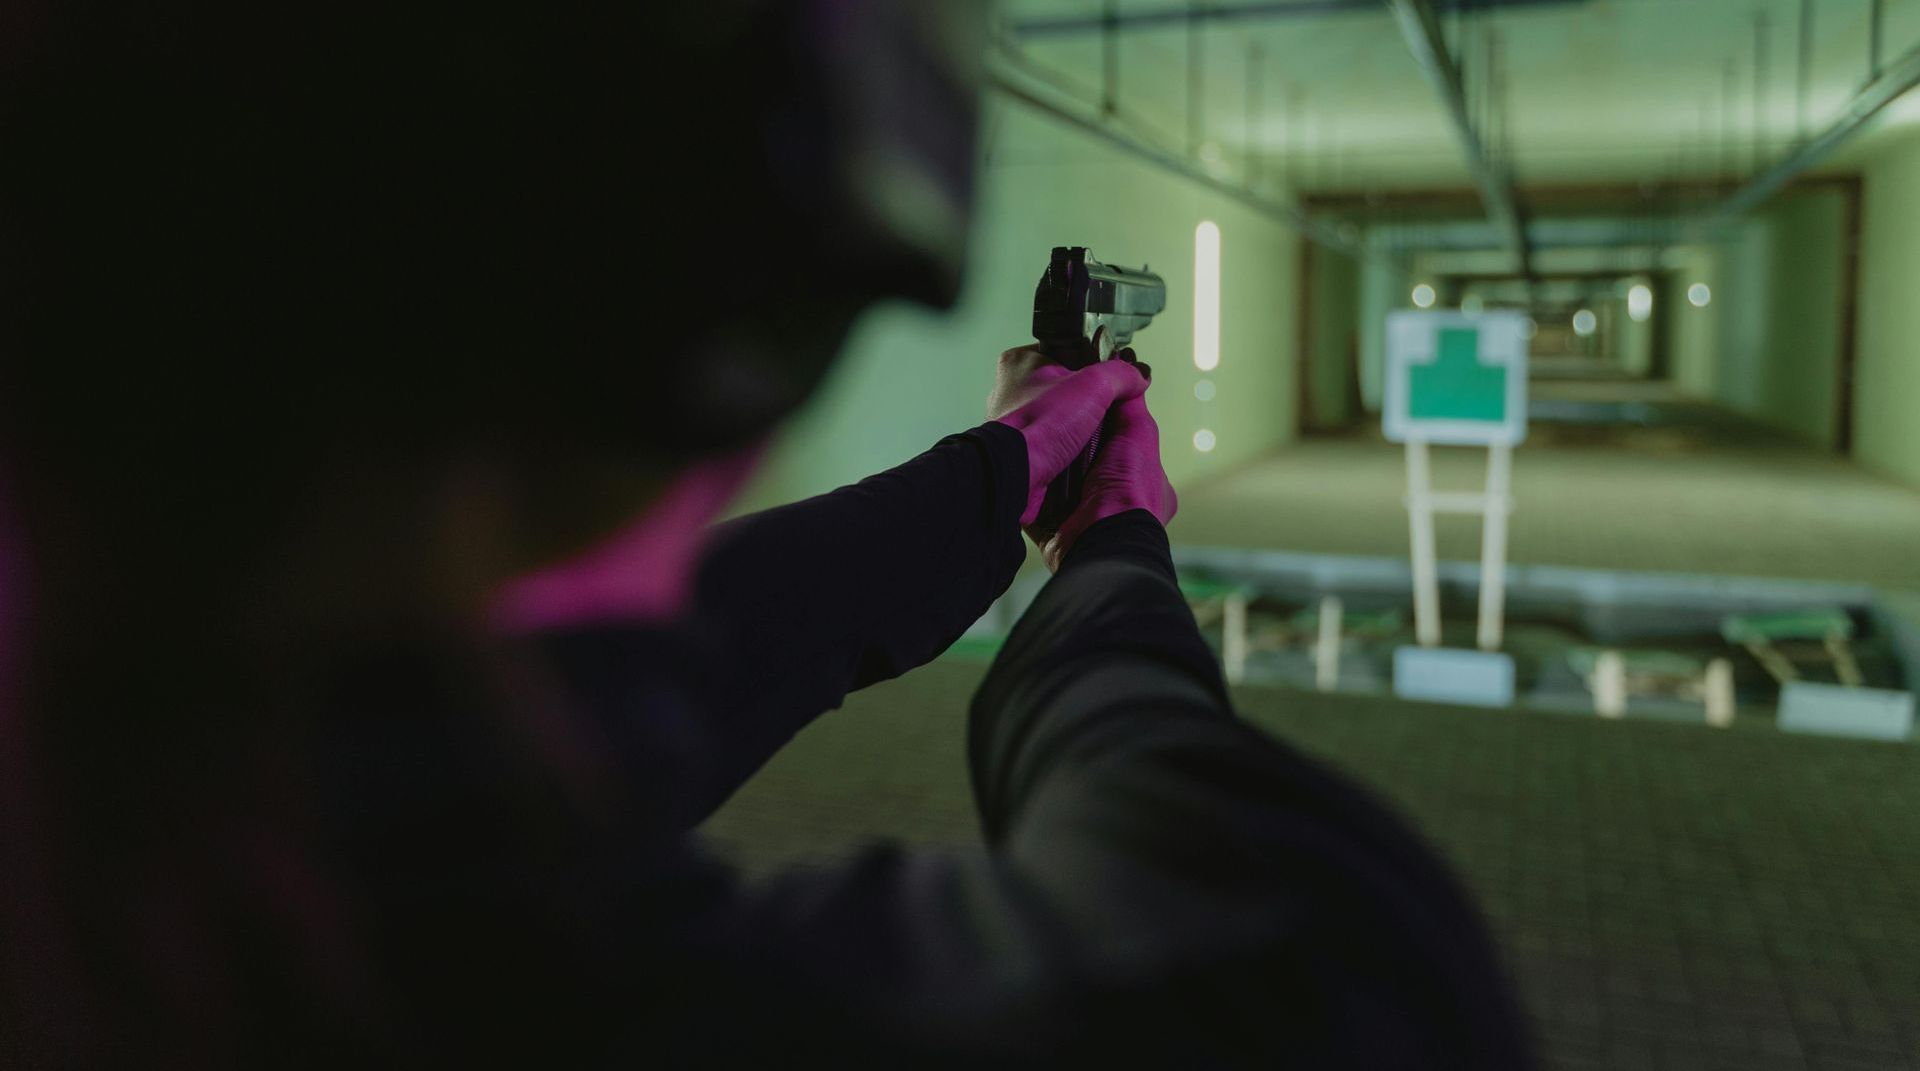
(1206, 296)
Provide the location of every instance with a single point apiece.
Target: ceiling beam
(1606, 232)
(1541, 198)
(1602, 276)
(1893, 82)
(1175, 15)
(1420, 25)
(1006, 81)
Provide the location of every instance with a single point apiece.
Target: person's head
(252, 254)
(234, 235)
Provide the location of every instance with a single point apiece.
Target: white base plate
(1446, 675)
(1833, 710)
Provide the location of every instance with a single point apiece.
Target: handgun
(1085, 311)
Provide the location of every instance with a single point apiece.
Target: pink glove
(1057, 411)
(1126, 475)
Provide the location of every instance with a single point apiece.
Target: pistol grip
(1063, 494)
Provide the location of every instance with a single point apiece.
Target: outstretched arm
(861, 584)
(797, 606)
(1165, 885)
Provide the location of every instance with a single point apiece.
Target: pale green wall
(1385, 285)
(1333, 339)
(1768, 345)
(1693, 334)
(908, 377)
(1739, 304)
(1887, 384)
(1780, 301)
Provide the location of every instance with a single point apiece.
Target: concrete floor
(1690, 490)
(1665, 896)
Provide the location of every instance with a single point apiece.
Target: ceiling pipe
(1600, 232)
(1895, 81)
(1421, 27)
(1174, 16)
(1876, 34)
(1345, 239)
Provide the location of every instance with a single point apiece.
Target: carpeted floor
(1668, 896)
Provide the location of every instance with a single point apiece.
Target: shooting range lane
(1703, 408)
(1666, 896)
(1700, 495)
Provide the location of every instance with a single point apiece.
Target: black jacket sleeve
(1165, 886)
(810, 601)
(1162, 885)
(797, 606)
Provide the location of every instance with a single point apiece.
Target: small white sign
(1455, 378)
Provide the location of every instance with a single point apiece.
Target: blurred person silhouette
(373, 375)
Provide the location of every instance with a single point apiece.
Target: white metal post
(1609, 684)
(1493, 546)
(1326, 654)
(1233, 637)
(1717, 689)
(1426, 584)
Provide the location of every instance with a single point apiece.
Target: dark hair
(512, 220)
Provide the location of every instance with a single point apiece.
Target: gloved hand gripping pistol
(1085, 311)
